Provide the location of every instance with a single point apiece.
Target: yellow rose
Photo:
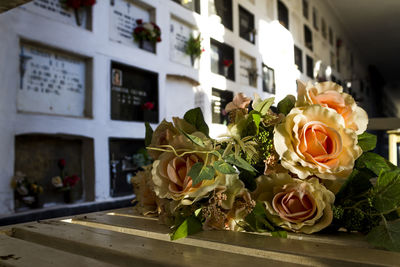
(293, 204)
(162, 135)
(143, 188)
(330, 94)
(313, 140)
(170, 172)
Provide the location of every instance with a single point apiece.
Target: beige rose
(162, 135)
(143, 188)
(170, 173)
(240, 101)
(313, 140)
(330, 94)
(293, 204)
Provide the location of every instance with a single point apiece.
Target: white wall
(274, 47)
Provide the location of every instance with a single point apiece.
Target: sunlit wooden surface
(121, 238)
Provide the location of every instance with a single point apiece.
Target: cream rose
(313, 140)
(162, 135)
(170, 173)
(143, 188)
(330, 94)
(294, 204)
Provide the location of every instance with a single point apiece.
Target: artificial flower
(313, 140)
(57, 182)
(162, 135)
(145, 196)
(329, 94)
(170, 172)
(293, 204)
(240, 101)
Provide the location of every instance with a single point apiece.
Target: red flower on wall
(227, 62)
(148, 106)
(61, 163)
(70, 181)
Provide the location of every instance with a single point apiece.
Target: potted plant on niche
(147, 35)
(252, 74)
(193, 48)
(65, 183)
(77, 5)
(26, 191)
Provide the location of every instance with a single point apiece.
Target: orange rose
(329, 94)
(313, 140)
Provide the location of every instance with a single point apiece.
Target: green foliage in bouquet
(305, 166)
(193, 46)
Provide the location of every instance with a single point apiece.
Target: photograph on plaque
(117, 77)
(57, 10)
(51, 82)
(123, 17)
(134, 94)
(268, 79)
(127, 156)
(219, 100)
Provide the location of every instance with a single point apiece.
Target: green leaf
(252, 124)
(195, 117)
(367, 141)
(196, 140)
(282, 234)
(264, 106)
(189, 226)
(199, 172)
(286, 104)
(224, 167)
(386, 235)
(149, 134)
(357, 183)
(239, 162)
(386, 193)
(374, 163)
(257, 219)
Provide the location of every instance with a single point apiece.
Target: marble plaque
(51, 82)
(123, 16)
(247, 63)
(179, 35)
(54, 9)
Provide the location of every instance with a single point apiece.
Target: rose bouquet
(76, 5)
(303, 166)
(148, 31)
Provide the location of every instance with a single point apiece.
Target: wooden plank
(16, 252)
(339, 238)
(247, 243)
(126, 249)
